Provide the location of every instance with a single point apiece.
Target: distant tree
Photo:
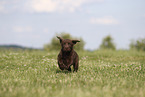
(132, 45)
(107, 43)
(138, 45)
(55, 44)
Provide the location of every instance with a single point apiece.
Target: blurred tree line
(107, 43)
(138, 45)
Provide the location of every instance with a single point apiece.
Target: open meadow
(100, 74)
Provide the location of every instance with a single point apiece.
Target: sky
(33, 23)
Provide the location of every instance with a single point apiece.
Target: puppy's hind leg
(69, 69)
(75, 66)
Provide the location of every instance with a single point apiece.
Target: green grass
(101, 74)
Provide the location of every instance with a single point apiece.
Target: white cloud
(21, 29)
(56, 5)
(108, 20)
(42, 5)
(2, 8)
(45, 30)
(46, 6)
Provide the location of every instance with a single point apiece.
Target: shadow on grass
(64, 71)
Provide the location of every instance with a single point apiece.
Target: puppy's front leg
(70, 63)
(61, 64)
(68, 66)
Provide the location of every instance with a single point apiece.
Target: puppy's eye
(69, 44)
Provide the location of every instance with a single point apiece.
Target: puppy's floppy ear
(60, 39)
(75, 41)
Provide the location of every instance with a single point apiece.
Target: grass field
(101, 74)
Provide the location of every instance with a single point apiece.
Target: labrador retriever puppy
(67, 55)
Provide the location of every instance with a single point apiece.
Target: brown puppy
(67, 55)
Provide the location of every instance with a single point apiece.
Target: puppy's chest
(66, 60)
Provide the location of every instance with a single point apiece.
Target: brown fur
(67, 55)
